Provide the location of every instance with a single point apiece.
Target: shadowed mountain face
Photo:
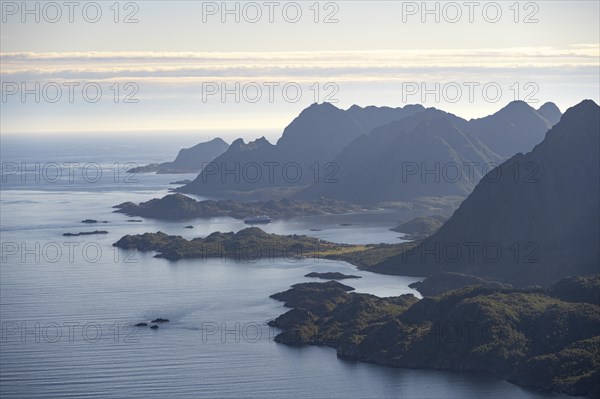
(375, 154)
(300, 156)
(432, 153)
(515, 128)
(371, 117)
(532, 220)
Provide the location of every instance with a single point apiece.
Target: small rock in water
(189, 227)
(159, 320)
(154, 327)
(141, 324)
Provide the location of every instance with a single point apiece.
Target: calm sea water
(67, 303)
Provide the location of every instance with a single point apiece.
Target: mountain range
(432, 153)
(531, 220)
(307, 144)
(375, 154)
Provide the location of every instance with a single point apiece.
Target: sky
(247, 67)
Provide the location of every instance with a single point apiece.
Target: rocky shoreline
(250, 243)
(181, 207)
(331, 275)
(497, 330)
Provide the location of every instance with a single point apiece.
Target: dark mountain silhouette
(431, 153)
(188, 160)
(515, 128)
(299, 157)
(392, 163)
(371, 117)
(532, 220)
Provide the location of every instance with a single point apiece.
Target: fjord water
(67, 305)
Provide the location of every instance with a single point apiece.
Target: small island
(249, 244)
(85, 233)
(181, 207)
(331, 275)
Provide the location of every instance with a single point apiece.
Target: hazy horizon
(366, 53)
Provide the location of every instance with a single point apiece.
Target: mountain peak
(549, 106)
(324, 106)
(583, 107)
(517, 105)
(217, 140)
(580, 113)
(551, 112)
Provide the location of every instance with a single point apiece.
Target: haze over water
(66, 316)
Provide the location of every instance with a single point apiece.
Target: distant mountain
(188, 160)
(431, 153)
(551, 112)
(371, 117)
(532, 220)
(193, 158)
(427, 154)
(515, 128)
(299, 157)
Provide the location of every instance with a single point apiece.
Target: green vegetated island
(181, 207)
(544, 339)
(250, 243)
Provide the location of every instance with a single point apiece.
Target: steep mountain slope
(371, 117)
(427, 154)
(515, 128)
(532, 220)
